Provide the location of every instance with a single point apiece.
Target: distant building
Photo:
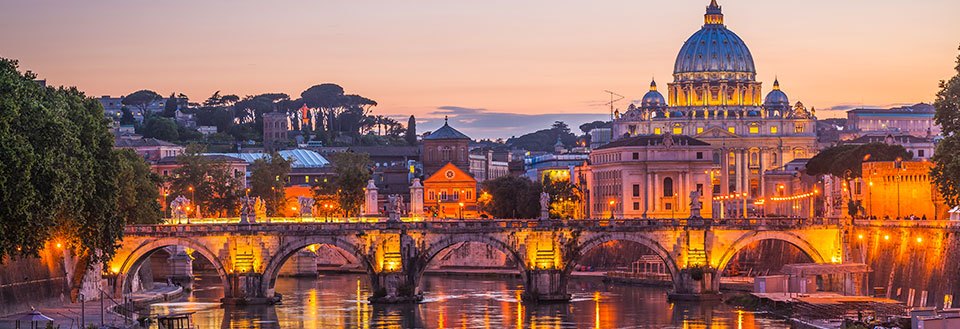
(648, 176)
(445, 145)
(207, 130)
(785, 182)
(113, 107)
(275, 128)
(600, 136)
(557, 167)
(450, 193)
(916, 120)
(919, 147)
(483, 167)
(306, 169)
(151, 149)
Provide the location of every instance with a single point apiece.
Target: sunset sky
(498, 68)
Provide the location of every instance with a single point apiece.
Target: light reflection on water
(340, 301)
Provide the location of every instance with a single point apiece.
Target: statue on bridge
(247, 213)
(695, 204)
(544, 205)
(259, 208)
(178, 208)
(306, 205)
(394, 207)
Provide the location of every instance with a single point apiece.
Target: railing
(477, 225)
(907, 223)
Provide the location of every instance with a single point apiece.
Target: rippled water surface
(339, 301)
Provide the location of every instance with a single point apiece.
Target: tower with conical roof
(445, 145)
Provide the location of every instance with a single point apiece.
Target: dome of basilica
(653, 98)
(776, 97)
(714, 49)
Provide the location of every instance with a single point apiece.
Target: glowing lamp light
(886, 237)
(860, 236)
(59, 245)
(115, 270)
(919, 239)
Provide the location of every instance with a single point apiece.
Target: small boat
(175, 321)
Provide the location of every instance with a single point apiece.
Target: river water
(340, 301)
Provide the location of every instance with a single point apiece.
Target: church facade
(715, 98)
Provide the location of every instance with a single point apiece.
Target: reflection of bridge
(248, 257)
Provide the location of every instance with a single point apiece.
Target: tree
(127, 117)
(268, 176)
(170, 108)
(543, 140)
(351, 173)
(58, 171)
(209, 183)
(564, 197)
(160, 128)
(138, 192)
(846, 162)
(141, 100)
(339, 112)
(946, 170)
(511, 197)
(587, 127)
(411, 134)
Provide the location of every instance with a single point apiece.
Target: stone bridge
(395, 255)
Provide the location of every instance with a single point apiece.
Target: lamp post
(870, 192)
(461, 210)
(612, 203)
(193, 199)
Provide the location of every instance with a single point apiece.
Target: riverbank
(107, 313)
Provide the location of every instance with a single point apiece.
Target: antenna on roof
(614, 97)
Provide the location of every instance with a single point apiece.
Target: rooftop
(301, 158)
(141, 142)
(654, 140)
(446, 132)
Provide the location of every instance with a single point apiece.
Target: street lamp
(461, 210)
(870, 192)
(612, 203)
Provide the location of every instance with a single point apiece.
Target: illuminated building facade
(648, 177)
(450, 193)
(715, 98)
(899, 189)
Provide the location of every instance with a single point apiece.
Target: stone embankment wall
(33, 282)
(905, 258)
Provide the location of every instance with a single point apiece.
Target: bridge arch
(290, 247)
(755, 236)
(135, 259)
(656, 247)
(436, 247)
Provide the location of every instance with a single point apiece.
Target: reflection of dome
(653, 98)
(776, 97)
(714, 49)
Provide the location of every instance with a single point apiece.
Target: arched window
(668, 187)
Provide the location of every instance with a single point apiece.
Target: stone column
(681, 205)
(181, 266)
(545, 286)
(763, 186)
(724, 172)
(656, 196)
(246, 289)
(370, 206)
(416, 198)
(646, 193)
